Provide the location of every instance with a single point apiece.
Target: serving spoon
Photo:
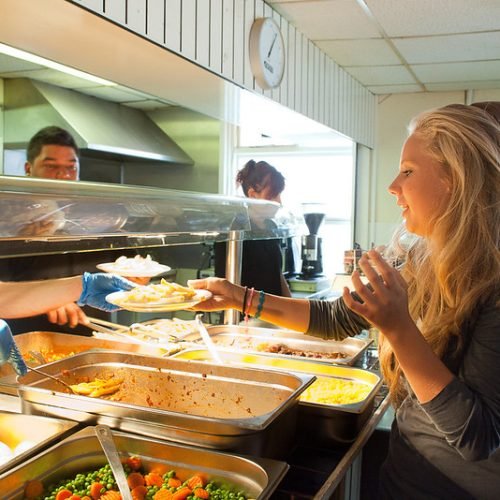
(105, 437)
(36, 370)
(208, 341)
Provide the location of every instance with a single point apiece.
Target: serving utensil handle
(105, 437)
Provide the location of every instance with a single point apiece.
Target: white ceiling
(395, 46)
(389, 46)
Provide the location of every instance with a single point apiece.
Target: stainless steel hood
(100, 128)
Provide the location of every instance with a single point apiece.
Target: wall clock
(267, 53)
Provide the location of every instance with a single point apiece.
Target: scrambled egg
(335, 391)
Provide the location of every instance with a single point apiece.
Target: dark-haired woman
(262, 260)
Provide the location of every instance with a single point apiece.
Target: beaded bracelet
(249, 304)
(262, 297)
(244, 301)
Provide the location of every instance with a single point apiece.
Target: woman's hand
(225, 295)
(385, 305)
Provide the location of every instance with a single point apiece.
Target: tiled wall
(214, 34)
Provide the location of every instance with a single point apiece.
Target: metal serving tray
(214, 406)
(29, 433)
(64, 344)
(321, 423)
(81, 452)
(251, 339)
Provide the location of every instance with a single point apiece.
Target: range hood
(100, 128)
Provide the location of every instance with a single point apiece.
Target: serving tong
(137, 332)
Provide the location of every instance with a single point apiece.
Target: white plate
(120, 299)
(153, 270)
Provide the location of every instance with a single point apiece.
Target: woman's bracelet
(249, 304)
(262, 297)
(244, 301)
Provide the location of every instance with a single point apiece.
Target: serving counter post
(233, 269)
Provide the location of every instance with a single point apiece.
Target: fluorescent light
(21, 54)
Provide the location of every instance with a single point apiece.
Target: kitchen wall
(215, 35)
(394, 113)
(197, 134)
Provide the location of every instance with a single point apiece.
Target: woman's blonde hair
(459, 268)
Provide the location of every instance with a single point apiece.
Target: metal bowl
(215, 406)
(82, 451)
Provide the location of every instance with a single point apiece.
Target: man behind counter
(52, 153)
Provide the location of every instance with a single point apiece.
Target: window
(323, 176)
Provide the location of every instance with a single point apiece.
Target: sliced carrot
(63, 494)
(153, 479)
(174, 482)
(86, 498)
(201, 493)
(33, 489)
(95, 490)
(135, 479)
(111, 495)
(195, 481)
(182, 494)
(134, 463)
(75, 497)
(163, 495)
(139, 492)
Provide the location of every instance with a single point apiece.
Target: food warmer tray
(252, 339)
(28, 434)
(321, 424)
(64, 344)
(214, 406)
(258, 477)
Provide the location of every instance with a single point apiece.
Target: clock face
(267, 53)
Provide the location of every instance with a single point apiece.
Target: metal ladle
(105, 437)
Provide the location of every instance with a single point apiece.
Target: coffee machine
(312, 261)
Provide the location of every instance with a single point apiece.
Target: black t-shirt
(261, 264)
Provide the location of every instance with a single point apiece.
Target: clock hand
(272, 45)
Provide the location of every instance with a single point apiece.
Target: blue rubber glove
(9, 352)
(97, 285)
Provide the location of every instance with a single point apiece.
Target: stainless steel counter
(314, 473)
(338, 474)
(10, 403)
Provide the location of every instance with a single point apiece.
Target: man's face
(54, 162)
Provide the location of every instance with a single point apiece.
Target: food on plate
(134, 266)
(98, 387)
(165, 328)
(284, 349)
(159, 293)
(335, 391)
(159, 483)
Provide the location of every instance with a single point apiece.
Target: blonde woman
(438, 317)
